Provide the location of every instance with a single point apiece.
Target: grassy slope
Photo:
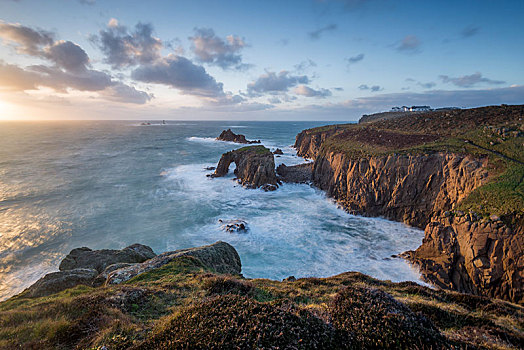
(180, 304)
(448, 131)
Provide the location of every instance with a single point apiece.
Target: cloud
(316, 34)
(87, 2)
(441, 98)
(304, 90)
(14, 78)
(373, 88)
(182, 74)
(304, 65)
(410, 44)
(427, 85)
(126, 94)
(69, 69)
(214, 50)
(470, 80)
(26, 40)
(270, 82)
(124, 48)
(355, 59)
(469, 31)
(67, 55)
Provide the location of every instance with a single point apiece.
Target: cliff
(418, 168)
(255, 167)
(196, 298)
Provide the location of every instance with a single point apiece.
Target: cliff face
(460, 252)
(255, 166)
(482, 257)
(407, 188)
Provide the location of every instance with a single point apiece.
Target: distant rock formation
(278, 151)
(230, 136)
(255, 167)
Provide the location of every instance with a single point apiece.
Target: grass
(259, 149)
(185, 304)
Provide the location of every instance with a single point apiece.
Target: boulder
(255, 166)
(219, 257)
(99, 259)
(232, 226)
(58, 281)
(278, 151)
(230, 136)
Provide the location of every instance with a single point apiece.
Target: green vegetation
(185, 305)
(259, 149)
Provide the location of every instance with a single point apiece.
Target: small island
(230, 136)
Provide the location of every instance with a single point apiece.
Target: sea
(109, 184)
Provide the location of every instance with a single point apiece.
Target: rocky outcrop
(278, 151)
(233, 226)
(100, 259)
(220, 257)
(472, 255)
(302, 173)
(58, 281)
(230, 136)
(255, 166)
(407, 188)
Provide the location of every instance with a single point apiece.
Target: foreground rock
(255, 166)
(302, 173)
(58, 281)
(100, 259)
(230, 136)
(220, 257)
(82, 267)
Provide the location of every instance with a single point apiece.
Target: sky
(255, 60)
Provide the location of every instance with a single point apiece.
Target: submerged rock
(233, 225)
(228, 135)
(99, 259)
(220, 257)
(255, 166)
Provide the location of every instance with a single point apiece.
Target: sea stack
(230, 136)
(255, 167)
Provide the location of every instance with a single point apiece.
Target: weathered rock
(102, 277)
(479, 258)
(58, 281)
(228, 135)
(255, 166)
(220, 257)
(232, 226)
(278, 151)
(99, 259)
(302, 173)
(407, 188)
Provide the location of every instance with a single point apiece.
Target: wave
(295, 230)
